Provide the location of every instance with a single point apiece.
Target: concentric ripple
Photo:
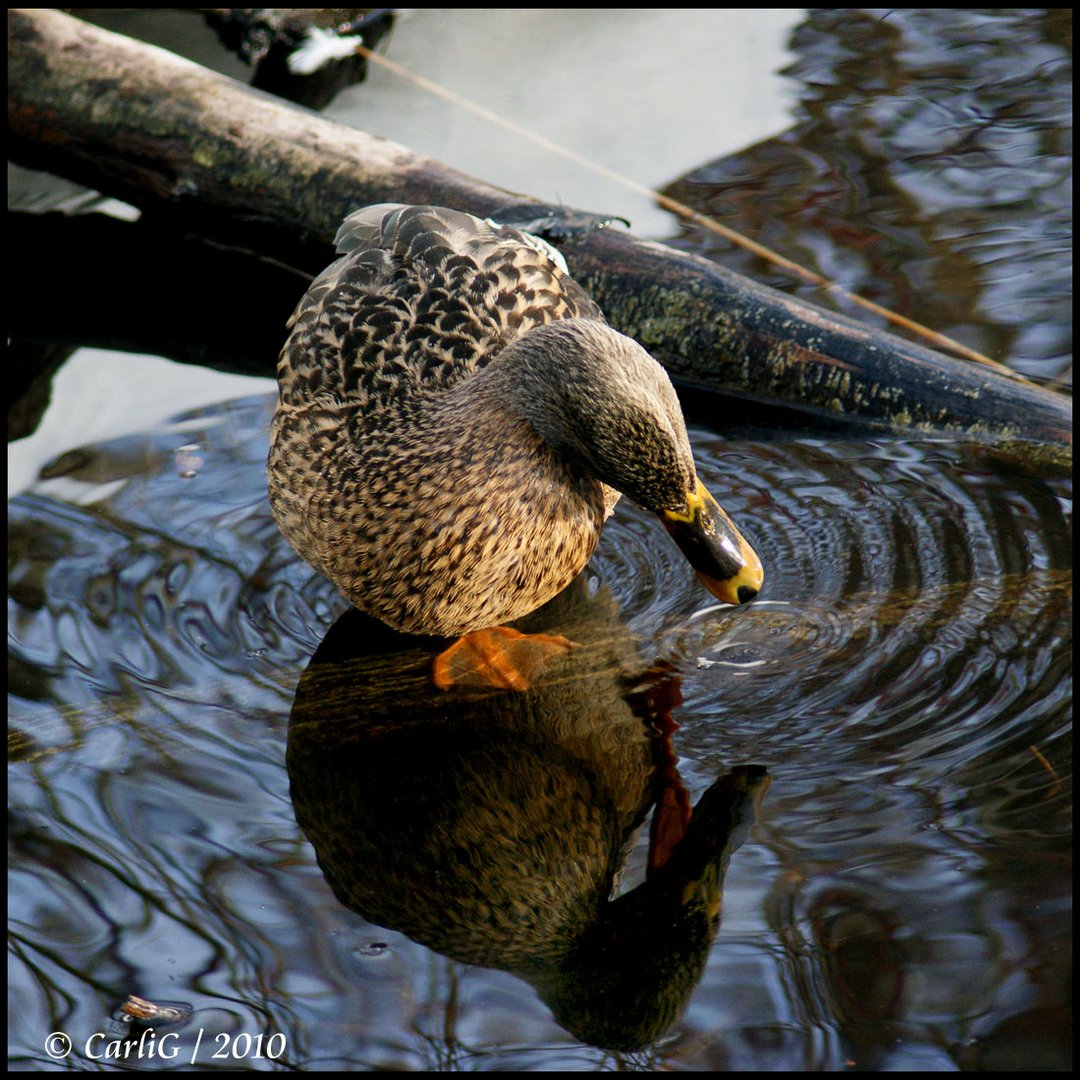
(907, 583)
(906, 580)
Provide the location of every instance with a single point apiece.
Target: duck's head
(602, 401)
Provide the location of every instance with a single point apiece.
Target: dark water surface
(929, 168)
(899, 897)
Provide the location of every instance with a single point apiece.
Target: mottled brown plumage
(456, 421)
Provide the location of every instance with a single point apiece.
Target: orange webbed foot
(501, 657)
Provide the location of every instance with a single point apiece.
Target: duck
(455, 422)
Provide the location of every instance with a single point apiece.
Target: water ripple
(904, 675)
(908, 583)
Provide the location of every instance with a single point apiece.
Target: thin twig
(1056, 787)
(937, 339)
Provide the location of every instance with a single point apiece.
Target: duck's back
(422, 298)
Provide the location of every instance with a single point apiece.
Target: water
(902, 900)
(903, 678)
(928, 168)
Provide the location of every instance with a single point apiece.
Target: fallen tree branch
(139, 123)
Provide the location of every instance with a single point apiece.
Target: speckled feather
(439, 496)
(422, 299)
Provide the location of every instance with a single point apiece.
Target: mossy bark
(239, 166)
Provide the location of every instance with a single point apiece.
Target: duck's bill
(727, 565)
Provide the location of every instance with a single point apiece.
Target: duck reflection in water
(492, 825)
